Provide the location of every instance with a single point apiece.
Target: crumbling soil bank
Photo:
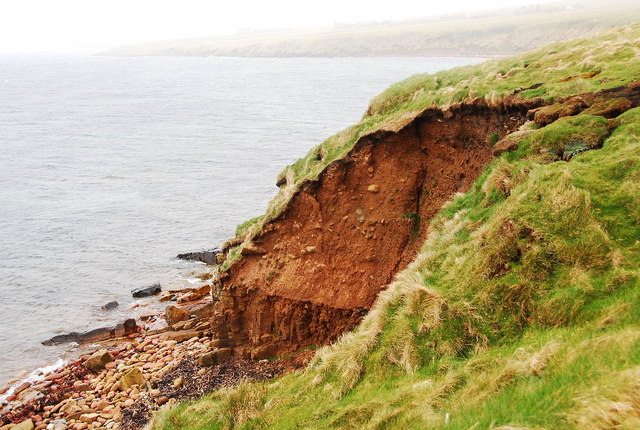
(345, 235)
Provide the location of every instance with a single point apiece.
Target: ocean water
(109, 167)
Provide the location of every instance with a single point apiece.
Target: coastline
(117, 382)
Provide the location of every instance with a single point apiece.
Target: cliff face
(314, 271)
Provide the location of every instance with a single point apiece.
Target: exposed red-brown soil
(320, 265)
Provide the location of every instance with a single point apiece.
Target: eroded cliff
(313, 271)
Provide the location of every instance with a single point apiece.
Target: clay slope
(316, 269)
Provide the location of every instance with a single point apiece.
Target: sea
(109, 167)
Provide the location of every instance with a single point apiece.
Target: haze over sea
(109, 167)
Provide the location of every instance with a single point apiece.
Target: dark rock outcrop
(146, 291)
(110, 306)
(126, 328)
(207, 257)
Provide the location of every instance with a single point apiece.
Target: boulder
(132, 376)
(129, 326)
(146, 291)
(214, 357)
(174, 314)
(207, 257)
(264, 351)
(110, 306)
(98, 360)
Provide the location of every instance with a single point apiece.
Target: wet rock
(126, 328)
(95, 335)
(131, 377)
(98, 360)
(110, 306)
(174, 314)
(146, 291)
(61, 338)
(20, 388)
(207, 257)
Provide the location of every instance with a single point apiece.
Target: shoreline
(117, 383)
(169, 355)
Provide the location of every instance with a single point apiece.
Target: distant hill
(484, 35)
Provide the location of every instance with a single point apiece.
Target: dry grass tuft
(615, 407)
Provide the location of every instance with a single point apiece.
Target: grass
(520, 311)
(557, 67)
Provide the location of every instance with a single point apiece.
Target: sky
(68, 25)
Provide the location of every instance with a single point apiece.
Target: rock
(214, 357)
(146, 291)
(180, 336)
(20, 388)
(190, 297)
(162, 400)
(205, 289)
(167, 297)
(61, 338)
(178, 382)
(265, 351)
(110, 306)
(95, 335)
(4, 390)
(251, 249)
(207, 257)
(59, 424)
(98, 360)
(174, 314)
(126, 328)
(24, 425)
(132, 376)
(89, 418)
(373, 188)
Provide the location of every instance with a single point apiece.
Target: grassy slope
(522, 307)
(613, 54)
